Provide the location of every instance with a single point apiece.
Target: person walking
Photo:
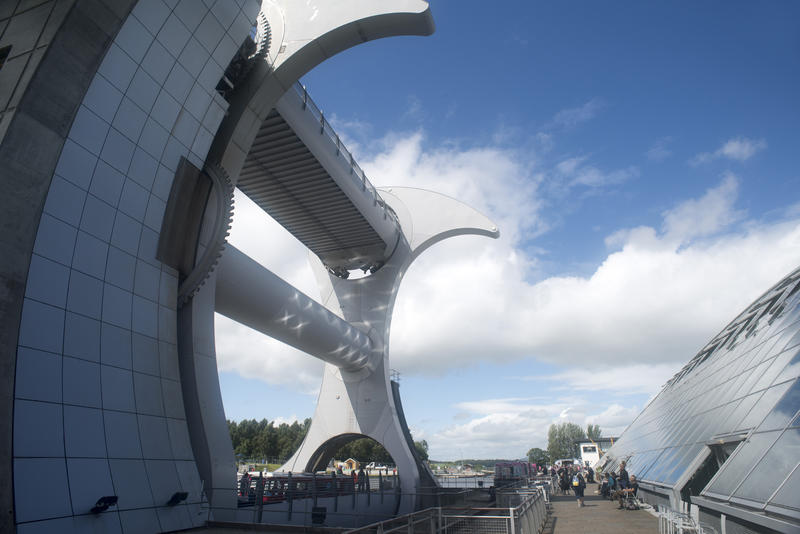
(362, 480)
(578, 485)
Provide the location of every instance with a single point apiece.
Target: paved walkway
(599, 516)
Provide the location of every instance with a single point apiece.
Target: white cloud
(738, 148)
(573, 116)
(660, 149)
(707, 215)
(659, 295)
(656, 299)
(574, 171)
(614, 419)
(414, 108)
(635, 379)
(507, 428)
(287, 420)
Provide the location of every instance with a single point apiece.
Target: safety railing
(526, 517)
(325, 128)
(310, 501)
(672, 522)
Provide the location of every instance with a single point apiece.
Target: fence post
(260, 497)
(289, 493)
(513, 529)
(314, 489)
(380, 485)
(335, 493)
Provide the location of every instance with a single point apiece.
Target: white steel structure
(129, 124)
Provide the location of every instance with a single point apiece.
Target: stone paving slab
(599, 516)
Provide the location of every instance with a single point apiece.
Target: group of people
(619, 486)
(614, 486)
(573, 477)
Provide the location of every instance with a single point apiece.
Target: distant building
(722, 439)
(350, 465)
(591, 450)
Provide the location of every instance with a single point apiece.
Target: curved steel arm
(427, 217)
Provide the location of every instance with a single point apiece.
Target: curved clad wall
(98, 405)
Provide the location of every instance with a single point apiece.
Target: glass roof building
(722, 438)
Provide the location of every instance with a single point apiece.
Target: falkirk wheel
(125, 128)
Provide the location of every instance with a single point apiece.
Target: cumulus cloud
(658, 296)
(507, 428)
(707, 215)
(738, 149)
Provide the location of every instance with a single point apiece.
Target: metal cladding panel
(287, 181)
(741, 395)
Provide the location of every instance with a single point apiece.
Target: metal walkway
(599, 516)
(300, 173)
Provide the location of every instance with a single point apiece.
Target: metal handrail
(325, 128)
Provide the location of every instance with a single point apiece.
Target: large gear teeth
(223, 222)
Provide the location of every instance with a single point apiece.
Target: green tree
(422, 449)
(561, 440)
(593, 432)
(364, 450)
(538, 456)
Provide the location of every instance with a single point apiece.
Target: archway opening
(349, 453)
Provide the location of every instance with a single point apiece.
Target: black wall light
(104, 503)
(177, 497)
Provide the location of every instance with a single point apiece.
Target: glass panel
(787, 496)
(666, 458)
(646, 472)
(737, 466)
(781, 459)
(774, 370)
(794, 341)
(741, 412)
(764, 405)
(783, 412)
(717, 425)
(791, 370)
(683, 463)
(753, 374)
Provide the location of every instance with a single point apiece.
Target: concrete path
(599, 516)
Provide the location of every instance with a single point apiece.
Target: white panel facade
(99, 409)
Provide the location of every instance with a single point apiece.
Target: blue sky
(640, 160)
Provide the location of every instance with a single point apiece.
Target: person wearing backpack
(578, 485)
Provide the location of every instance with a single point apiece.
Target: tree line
(263, 440)
(562, 442)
